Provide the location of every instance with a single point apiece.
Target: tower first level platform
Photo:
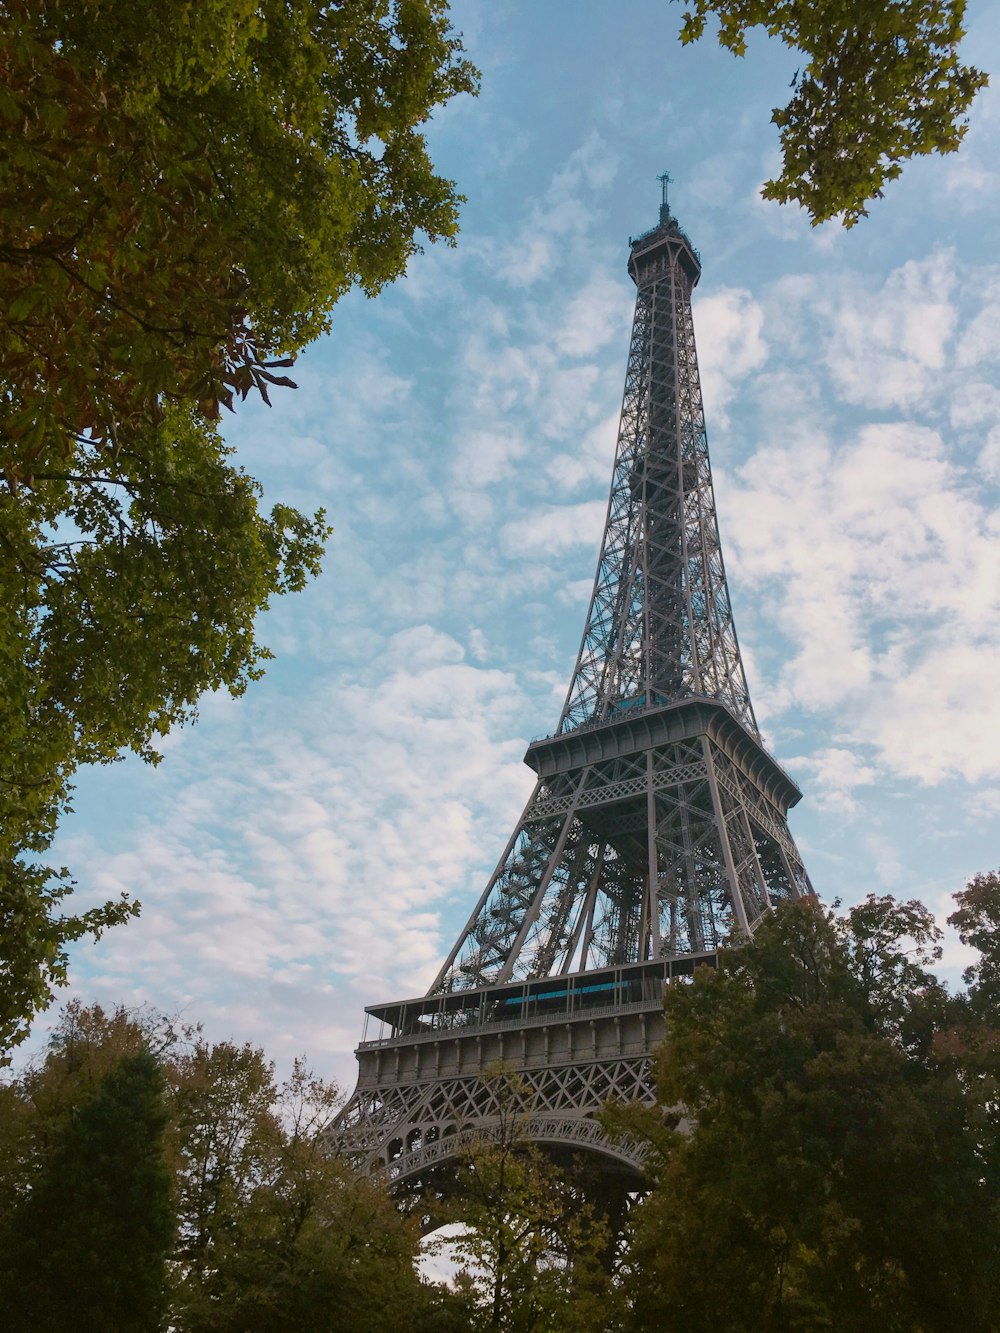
(575, 1043)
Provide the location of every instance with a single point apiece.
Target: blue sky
(317, 845)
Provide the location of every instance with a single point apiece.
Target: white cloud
(590, 460)
(315, 855)
(598, 314)
(886, 860)
(554, 528)
(980, 340)
(989, 456)
(560, 217)
(731, 345)
(836, 773)
(885, 346)
(939, 715)
(882, 565)
(485, 456)
(478, 644)
(422, 646)
(974, 403)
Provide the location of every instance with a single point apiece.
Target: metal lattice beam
(657, 828)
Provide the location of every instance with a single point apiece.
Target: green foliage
(266, 1230)
(35, 935)
(86, 1246)
(882, 83)
(977, 919)
(830, 1172)
(274, 1232)
(532, 1247)
(227, 1141)
(132, 583)
(189, 189)
(185, 193)
(825, 1155)
(970, 1047)
(313, 1248)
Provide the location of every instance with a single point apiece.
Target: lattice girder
(438, 1094)
(656, 830)
(656, 846)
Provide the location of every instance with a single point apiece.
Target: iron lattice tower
(656, 829)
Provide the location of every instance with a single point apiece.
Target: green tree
(227, 1139)
(882, 82)
(827, 1172)
(309, 1246)
(86, 1246)
(970, 1047)
(185, 192)
(531, 1246)
(188, 189)
(274, 1231)
(132, 585)
(977, 920)
(268, 1230)
(37, 1106)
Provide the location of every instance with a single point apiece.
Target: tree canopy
(824, 1154)
(133, 1143)
(186, 192)
(86, 1245)
(836, 1162)
(881, 83)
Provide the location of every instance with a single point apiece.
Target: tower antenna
(664, 179)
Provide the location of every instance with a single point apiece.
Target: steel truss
(657, 828)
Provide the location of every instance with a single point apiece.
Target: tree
(532, 1246)
(970, 1047)
(86, 1247)
(310, 1246)
(227, 1138)
(36, 1108)
(829, 1173)
(268, 1229)
(274, 1231)
(35, 936)
(977, 919)
(190, 188)
(188, 191)
(882, 83)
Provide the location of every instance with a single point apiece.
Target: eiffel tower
(656, 830)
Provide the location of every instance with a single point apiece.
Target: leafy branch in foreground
(185, 193)
(882, 83)
(187, 190)
(132, 583)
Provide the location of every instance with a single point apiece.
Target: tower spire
(664, 178)
(660, 624)
(657, 827)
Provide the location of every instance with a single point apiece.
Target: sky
(317, 845)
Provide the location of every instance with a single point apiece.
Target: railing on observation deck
(629, 987)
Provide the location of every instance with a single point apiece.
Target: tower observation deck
(656, 830)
